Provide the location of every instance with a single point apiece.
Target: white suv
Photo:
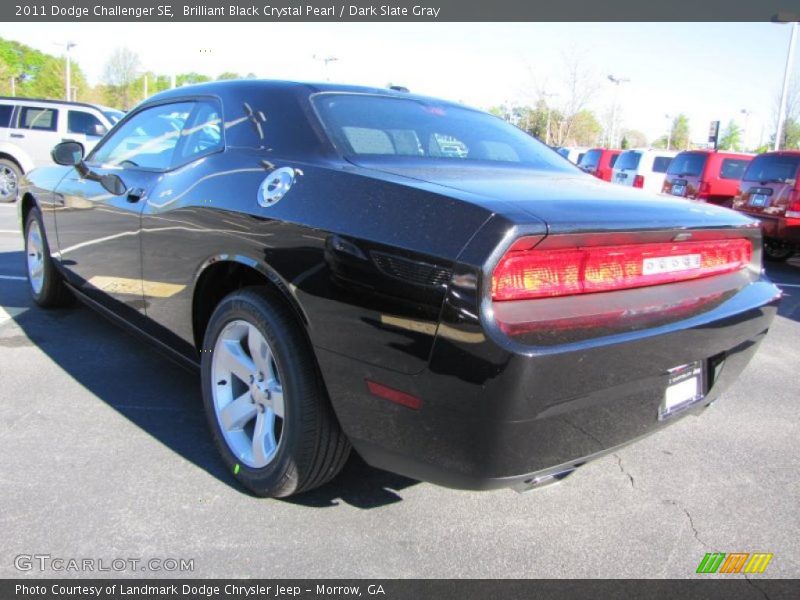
(644, 169)
(30, 128)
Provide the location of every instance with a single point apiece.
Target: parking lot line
(788, 284)
(13, 277)
(9, 231)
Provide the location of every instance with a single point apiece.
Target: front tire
(45, 283)
(265, 401)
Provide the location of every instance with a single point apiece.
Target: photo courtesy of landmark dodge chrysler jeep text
(492, 317)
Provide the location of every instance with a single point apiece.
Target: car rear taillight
(704, 190)
(532, 273)
(793, 210)
(638, 181)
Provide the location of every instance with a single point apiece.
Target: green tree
(731, 138)
(35, 73)
(790, 135)
(680, 133)
(121, 75)
(228, 75)
(636, 139)
(191, 78)
(624, 144)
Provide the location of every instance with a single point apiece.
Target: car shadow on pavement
(156, 395)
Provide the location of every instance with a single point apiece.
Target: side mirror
(113, 184)
(68, 154)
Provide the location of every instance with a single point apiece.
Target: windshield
(113, 115)
(628, 161)
(776, 168)
(363, 125)
(590, 159)
(688, 164)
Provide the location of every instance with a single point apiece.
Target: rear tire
(776, 251)
(45, 283)
(265, 401)
(10, 174)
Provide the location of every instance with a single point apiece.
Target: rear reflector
(393, 395)
(524, 274)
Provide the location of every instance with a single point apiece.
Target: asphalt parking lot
(104, 454)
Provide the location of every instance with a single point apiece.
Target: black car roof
(253, 85)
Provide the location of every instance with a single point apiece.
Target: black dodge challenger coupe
(417, 279)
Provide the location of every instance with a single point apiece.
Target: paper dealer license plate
(684, 388)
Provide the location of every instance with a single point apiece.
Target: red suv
(599, 162)
(770, 191)
(706, 175)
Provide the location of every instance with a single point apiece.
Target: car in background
(706, 175)
(770, 192)
(29, 128)
(599, 162)
(573, 155)
(643, 168)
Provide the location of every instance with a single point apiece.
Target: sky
(708, 71)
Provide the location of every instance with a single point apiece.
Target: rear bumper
(493, 416)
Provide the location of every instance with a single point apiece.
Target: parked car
(770, 192)
(29, 128)
(489, 320)
(706, 175)
(599, 162)
(643, 169)
(573, 155)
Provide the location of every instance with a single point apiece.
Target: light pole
(617, 81)
(669, 130)
(786, 74)
(68, 76)
(746, 114)
(545, 95)
(326, 60)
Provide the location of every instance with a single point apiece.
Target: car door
(84, 127)
(36, 131)
(99, 232)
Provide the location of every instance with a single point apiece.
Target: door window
(148, 139)
(84, 123)
(40, 119)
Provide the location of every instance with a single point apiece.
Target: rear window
(629, 161)
(590, 159)
(661, 164)
(362, 125)
(733, 168)
(5, 115)
(43, 119)
(775, 168)
(688, 164)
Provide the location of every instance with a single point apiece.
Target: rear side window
(5, 115)
(775, 168)
(41, 119)
(84, 123)
(661, 164)
(629, 161)
(613, 160)
(733, 168)
(688, 164)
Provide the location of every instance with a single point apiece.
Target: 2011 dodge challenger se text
(420, 280)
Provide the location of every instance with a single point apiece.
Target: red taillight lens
(563, 272)
(793, 210)
(704, 190)
(638, 181)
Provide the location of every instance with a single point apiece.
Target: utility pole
(669, 129)
(746, 114)
(68, 75)
(786, 75)
(617, 81)
(545, 95)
